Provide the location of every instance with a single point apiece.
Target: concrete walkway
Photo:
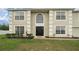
(4, 31)
(41, 37)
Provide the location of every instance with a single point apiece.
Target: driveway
(4, 31)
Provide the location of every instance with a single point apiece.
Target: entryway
(39, 30)
(39, 24)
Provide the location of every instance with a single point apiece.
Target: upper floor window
(19, 15)
(60, 16)
(60, 29)
(39, 18)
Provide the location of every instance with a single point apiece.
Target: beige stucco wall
(19, 23)
(76, 19)
(32, 23)
(76, 32)
(50, 23)
(24, 22)
(65, 23)
(75, 27)
(11, 29)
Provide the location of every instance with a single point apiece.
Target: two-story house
(51, 22)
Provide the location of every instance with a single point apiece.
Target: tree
(4, 27)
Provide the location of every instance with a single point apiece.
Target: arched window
(39, 18)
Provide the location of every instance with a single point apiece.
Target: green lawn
(38, 45)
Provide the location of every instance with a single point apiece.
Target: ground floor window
(60, 29)
(19, 30)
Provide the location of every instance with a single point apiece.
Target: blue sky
(3, 16)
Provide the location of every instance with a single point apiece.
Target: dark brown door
(39, 30)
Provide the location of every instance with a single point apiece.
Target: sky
(3, 16)
(39, 3)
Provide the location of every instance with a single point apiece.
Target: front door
(39, 30)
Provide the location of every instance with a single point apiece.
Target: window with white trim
(19, 30)
(19, 15)
(60, 16)
(39, 18)
(60, 29)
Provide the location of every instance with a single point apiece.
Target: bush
(30, 36)
(10, 35)
(14, 36)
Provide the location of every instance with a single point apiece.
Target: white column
(10, 21)
(50, 23)
(28, 22)
(70, 23)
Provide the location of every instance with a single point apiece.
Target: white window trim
(60, 29)
(19, 28)
(19, 15)
(60, 19)
(39, 24)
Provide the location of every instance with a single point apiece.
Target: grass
(38, 45)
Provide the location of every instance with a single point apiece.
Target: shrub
(30, 36)
(14, 36)
(10, 35)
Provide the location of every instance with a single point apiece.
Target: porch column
(28, 22)
(70, 24)
(50, 23)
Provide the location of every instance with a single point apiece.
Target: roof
(24, 9)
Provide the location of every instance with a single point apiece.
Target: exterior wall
(51, 16)
(70, 23)
(19, 23)
(33, 23)
(76, 19)
(50, 23)
(11, 22)
(26, 22)
(75, 27)
(28, 18)
(53, 23)
(76, 32)
(29, 23)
